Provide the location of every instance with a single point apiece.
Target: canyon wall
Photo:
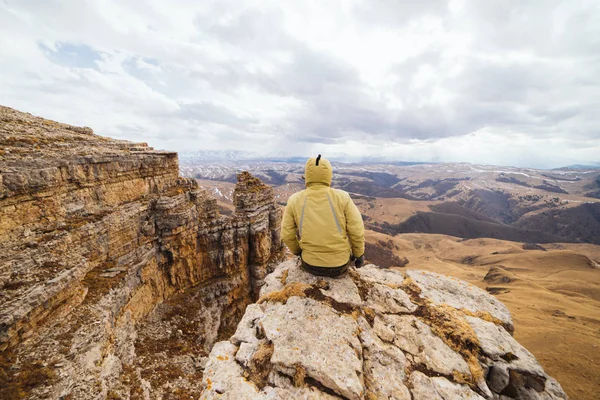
(115, 270)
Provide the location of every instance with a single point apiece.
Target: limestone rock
(308, 338)
(247, 328)
(416, 338)
(343, 291)
(372, 273)
(438, 388)
(301, 344)
(384, 366)
(222, 364)
(498, 344)
(382, 298)
(460, 295)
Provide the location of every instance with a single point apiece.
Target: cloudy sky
(495, 81)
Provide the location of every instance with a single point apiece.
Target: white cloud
(502, 82)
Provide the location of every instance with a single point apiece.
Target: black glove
(359, 261)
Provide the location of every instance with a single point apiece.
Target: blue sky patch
(72, 55)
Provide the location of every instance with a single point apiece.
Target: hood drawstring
(318, 171)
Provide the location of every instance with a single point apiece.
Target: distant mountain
(202, 156)
(581, 166)
(187, 157)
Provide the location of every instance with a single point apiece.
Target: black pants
(331, 272)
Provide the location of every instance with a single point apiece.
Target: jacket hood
(321, 173)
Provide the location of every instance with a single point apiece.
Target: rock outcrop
(117, 275)
(374, 334)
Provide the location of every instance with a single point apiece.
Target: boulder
(374, 334)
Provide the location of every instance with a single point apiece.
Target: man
(323, 225)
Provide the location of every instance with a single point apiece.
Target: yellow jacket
(322, 222)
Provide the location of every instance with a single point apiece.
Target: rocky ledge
(116, 274)
(374, 334)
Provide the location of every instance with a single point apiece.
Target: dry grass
(19, 384)
(97, 285)
(369, 314)
(448, 323)
(486, 316)
(410, 287)
(130, 378)
(293, 289)
(284, 276)
(260, 366)
(299, 376)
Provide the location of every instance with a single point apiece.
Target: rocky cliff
(117, 275)
(374, 334)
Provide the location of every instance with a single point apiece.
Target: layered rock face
(114, 270)
(374, 334)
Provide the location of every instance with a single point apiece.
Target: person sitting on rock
(322, 225)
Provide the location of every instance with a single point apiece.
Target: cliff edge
(117, 274)
(374, 334)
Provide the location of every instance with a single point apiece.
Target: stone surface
(247, 328)
(498, 344)
(297, 342)
(341, 290)
(222, 364)
(382, 298)
(384, 366)
(116, 274)
(416, 338)
(514, 370)
(461, 295)
(438, 388)
(309, 340)
(373, 274)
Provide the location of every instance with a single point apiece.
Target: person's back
(322, 224)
